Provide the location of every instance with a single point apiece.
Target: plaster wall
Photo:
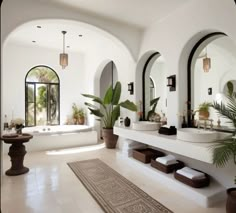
(174, 37)
(18, 60)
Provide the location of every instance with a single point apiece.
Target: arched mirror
(213, 64)
(154, 85)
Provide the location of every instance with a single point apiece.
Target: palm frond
(223, 151)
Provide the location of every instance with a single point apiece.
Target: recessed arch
(182, 90)
(195, 50)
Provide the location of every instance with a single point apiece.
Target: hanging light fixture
(63, 56)
(206, 63)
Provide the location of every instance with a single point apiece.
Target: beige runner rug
(113, 192)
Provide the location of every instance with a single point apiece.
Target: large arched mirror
(213, 64)
(154, 85)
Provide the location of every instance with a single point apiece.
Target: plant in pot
(75, 113)
(203, 110)
(152, 113)
(81, 116)
(109, 111)
(225, 150)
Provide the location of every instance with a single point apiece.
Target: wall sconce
(171, 82)
(131, 88)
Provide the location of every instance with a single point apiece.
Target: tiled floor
(51, 186)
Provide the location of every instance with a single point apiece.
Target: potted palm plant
(225, 150)
(109, 111)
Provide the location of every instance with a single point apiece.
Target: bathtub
(58, 137)
(51, 130)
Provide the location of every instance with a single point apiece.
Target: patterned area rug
(113, 192)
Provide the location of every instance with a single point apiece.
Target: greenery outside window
(42, 92)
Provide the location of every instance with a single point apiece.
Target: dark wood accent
(189, 71)
(16, 152)
(167, 168)
(146, 155)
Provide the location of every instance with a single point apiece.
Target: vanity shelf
(197, 151)
(206, 197)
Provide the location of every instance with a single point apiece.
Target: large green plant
(109, 110)
(225, 150)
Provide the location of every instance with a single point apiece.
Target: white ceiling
(140, 13)
(50, 35)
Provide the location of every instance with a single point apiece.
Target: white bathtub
(58, 137)
(50, 130)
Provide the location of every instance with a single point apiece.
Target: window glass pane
(43, 75)
(30, 114)
(41, 104)
(30, 93)
(54, 104)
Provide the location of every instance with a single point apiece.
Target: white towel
(167, 160)
(190, 173)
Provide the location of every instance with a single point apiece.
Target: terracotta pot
(109, 138)
(203, 115)
(80, 120)
(231, 200)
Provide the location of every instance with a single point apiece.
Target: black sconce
(131, 88)
(171, 82)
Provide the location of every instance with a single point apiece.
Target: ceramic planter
(109, 138)
(231, 200)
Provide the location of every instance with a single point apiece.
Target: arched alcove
(184, 104)
(152, 69)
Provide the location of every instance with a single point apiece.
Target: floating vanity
(133, 139)
(198, 151)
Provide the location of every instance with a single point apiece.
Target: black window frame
(48, 84)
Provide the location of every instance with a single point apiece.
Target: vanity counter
(198, 151)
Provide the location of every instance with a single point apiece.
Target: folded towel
(167, 160)
(166, 126)
(191, 173)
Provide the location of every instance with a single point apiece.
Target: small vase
(19, 131)
(127, 122)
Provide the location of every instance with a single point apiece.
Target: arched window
(42, 92)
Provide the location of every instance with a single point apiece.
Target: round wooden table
(16, 152)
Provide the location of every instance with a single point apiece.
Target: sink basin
(145, 126)
(200, 135)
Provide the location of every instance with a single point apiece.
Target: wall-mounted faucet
(205, 124)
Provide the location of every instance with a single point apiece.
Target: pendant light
(206, 63)
(63, 56)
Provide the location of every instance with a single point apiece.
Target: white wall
(174, 37)
(76, 79)
(18, 60)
